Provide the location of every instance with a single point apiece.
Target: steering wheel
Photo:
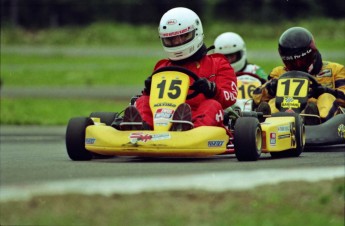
(300, 74)
(241, 73)
(182, 70)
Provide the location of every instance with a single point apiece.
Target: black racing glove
(271, 87)
(147, 88)
(319, 90)
(205, 86)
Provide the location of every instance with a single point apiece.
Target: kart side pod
(282, 135)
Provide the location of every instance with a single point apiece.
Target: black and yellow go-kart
(99, 135)
(293, 91)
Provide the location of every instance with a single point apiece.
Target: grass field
(299, 204)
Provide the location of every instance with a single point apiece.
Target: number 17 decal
(292, 87)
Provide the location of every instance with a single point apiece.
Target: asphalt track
(33, 161)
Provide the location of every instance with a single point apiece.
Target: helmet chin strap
(195, 57)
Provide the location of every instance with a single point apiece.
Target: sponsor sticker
(325, 73)
(290, 102)
(297, 56)
(215, 143)
(175, 33)
(284, 136)
(164, 113)
(284, 128)
(171, 21)
(90, 140)
(165, 104)
(273, 139)
(144, 137)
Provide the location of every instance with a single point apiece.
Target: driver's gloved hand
(271, 87)
(233, 112)
(205, 86)
(319, 90)
(147, 88)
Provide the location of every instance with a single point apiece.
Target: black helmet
(297, 49)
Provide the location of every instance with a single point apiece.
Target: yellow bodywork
(246, 85)
(171, 91)
(198, 142)
(278, 134)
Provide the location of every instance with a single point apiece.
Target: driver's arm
(226, 83)
(147, 83)
(339, 83)
(267, 91)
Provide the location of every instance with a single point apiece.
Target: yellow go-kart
(98, 136)
(293, 91)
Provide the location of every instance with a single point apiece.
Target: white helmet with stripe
(181, 32)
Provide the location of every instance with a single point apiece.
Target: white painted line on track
(216, 182)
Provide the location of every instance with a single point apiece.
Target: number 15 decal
(174, 90)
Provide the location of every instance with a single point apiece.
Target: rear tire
(105, 117)
(299, 132)
(75, 139)
(253, 114)
(248, 139)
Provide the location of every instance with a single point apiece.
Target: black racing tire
(247, 139)
(105, 117)
(300, 136)
(250, 114)
(75, 139)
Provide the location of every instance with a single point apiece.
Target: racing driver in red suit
(181, 32)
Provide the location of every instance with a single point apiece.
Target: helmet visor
(234, 57)
(301, 61)
(178, 39)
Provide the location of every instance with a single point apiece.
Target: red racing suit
(205, 112)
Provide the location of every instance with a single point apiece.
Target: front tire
(248, 139)
(75, 139)
(105, 117)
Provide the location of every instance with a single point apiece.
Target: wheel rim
(258, 138)
(303, 136)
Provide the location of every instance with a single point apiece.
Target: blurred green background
(90, 44)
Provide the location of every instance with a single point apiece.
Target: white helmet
(230, 43)
(182, 24)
